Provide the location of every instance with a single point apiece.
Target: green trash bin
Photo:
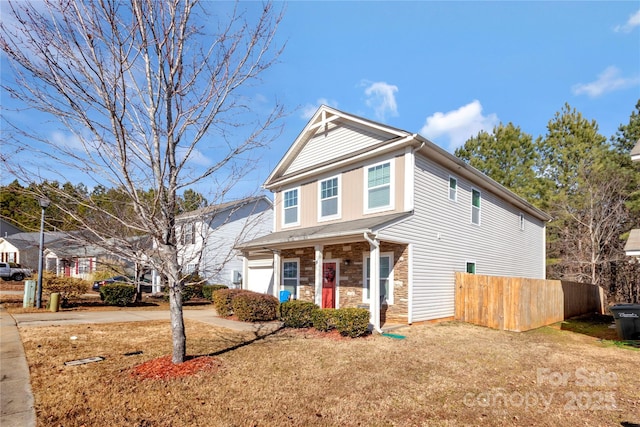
(627, 317)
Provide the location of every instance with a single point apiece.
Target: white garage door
(260, 278)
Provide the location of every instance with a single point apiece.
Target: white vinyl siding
(444, 239)
(291, 207)
(379, 187)
(329, 198)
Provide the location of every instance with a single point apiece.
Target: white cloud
(459, 125)
(608, 81)
(632, 22)
(310, 109)
(381, 97)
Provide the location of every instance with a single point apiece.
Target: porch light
(347, 262)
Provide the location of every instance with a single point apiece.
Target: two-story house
(207, 236)
(360, 203)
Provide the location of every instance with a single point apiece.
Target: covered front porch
(334, 266)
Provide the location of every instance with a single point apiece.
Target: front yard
(445, 374)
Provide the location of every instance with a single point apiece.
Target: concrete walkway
(15, 389)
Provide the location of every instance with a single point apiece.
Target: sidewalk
(15, 388)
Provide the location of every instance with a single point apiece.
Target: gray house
(359, 203)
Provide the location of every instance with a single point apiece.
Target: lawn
(446, 374)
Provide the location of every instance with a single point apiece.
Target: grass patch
(599, 326)
(439, 375)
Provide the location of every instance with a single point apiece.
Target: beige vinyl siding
(444, 239)
(334, 142)
(351, 192)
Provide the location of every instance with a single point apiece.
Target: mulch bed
(163, 369)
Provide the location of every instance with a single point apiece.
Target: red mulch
(163, 369)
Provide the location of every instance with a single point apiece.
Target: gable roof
(327, 120)
(25, 240)
(7, 228)
(635, 152)
(222, 207)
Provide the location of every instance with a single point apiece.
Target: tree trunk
(179, 336)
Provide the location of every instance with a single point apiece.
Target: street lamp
(44, 204)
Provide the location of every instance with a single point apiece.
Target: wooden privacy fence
(520, 304)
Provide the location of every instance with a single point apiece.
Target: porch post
(277, 273)
(374, 281)
(318, 275)
(245, 271)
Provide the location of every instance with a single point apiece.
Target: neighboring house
(632, 247)
(23, 248)
(207, 236)
(7, 228)
(358, 202)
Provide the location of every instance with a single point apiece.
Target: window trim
(299, 194)
(338, 214)
(188, 234)
(365, 257)
(392, 180)
(455, 189)
(479, 207)
(296, 293)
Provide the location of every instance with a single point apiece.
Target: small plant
(352, 322)
(323, 319)
(223, 300)
(118, 294)
(208, 290)
(254, 307)
(297, 313)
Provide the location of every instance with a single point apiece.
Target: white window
(453, 189)
(386, 279)
(84, 266)
(190, 268)
(379, 187)
(291, 276)
(290, 207)
(475, 206)
(329, 193)
(188, 234)
(521, 221)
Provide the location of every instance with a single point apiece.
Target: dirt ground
(446, 374)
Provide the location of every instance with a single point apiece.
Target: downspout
(374, 282)
(411, 260)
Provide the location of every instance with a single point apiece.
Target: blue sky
(450, 69)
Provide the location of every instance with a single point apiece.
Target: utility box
(627, 317)
(29, 298)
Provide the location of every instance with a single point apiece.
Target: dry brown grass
(438, 375)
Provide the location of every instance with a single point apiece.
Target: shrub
(67, 287)
(323, 319)
(352, 322)
(119, 294)
(208, 290)
(297, 313)
(223, 300)
(189, 291)
(254, 307)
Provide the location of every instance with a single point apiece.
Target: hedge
(297, 313)
(255, 307)
(119, 294)
(208, 290)
(322, 319)
(67, 287)
(352, 322)
(223, 300)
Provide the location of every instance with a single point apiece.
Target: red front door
(329, 285)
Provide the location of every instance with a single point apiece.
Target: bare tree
(154, 95)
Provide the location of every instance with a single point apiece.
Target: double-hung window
(386, 279)
(453, 189)
(290, 207)
(329, 191)
(475, 206)
(188, 234)
(378, 181)
(290, 276)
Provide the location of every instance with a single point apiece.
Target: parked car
(13, 271)
(145, 284)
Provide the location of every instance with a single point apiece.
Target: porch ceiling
(332, 231)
